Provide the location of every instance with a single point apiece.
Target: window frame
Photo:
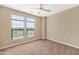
(25, 28)
(30, 28)
(19, 37)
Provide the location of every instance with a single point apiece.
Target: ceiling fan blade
(42, 9)
(47, 10)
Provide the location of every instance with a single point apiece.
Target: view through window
(30, 26)
(17, 30)
(18, 25)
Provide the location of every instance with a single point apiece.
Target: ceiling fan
(42, 9)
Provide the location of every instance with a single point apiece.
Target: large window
(18, 25)
(17, 28)
(30, 27)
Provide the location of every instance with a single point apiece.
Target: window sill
(17, 38)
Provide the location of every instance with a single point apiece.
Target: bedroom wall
(5, 27)
(63, 27)
(44, 29)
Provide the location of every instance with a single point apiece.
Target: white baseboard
(7, 46)
(64, 43)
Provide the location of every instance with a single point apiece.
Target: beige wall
(5, 27)
(63, 27)
(44, 29)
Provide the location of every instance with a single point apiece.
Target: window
(18, 25)
(17, 28)
(30, 27)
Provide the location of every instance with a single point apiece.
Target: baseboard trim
(5, 47)
(77, 47)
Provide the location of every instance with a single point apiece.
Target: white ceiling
(30, 8)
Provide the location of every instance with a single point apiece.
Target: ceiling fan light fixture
(41, 8)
